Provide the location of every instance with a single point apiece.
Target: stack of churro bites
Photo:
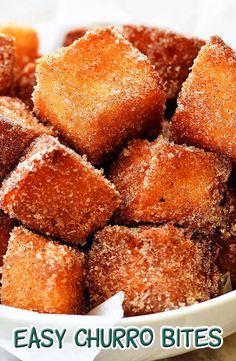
(159, 222)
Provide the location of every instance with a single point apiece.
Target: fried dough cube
(172, 54)
(57, 192)
(227, 261)
(206, 114)
(18, 128)
(73, 35)
(165, 128)
(7, 63)
(163, 182)
(99, 93)
(18, 107)
(25, 84)
(228, 229)
(159, 269)
(6, 225)
(26, 42)
(41, 275)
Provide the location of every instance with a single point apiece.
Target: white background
(197, 17)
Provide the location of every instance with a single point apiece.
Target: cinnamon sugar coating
(41, 275)
(7, 63)
(228, 229)
(73, 35)
(227, 260)
(159, 269)
(26, 43)
(172, 54)
(18, 128)
(165, 128)
(100, 92)
(57, 192)
(163, 182)
(25, 84)
(206, 114)
(6, 225)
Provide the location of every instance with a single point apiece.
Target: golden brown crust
(158, 268)
(25, 83)
(206, 114)
(163, 182)
(73, 35)
(172, 54)
(7, 64)
(42, 275)
(105, 92)
(20, 113)
(18, 128)
(57, 192)
(26, 44)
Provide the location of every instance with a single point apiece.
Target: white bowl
(216, 312)
(219, 311)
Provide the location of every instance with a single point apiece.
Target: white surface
(51, 17)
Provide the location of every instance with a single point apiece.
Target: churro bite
(7, 63)
(73, 35)
(26, 43)
(18, 128)
(57, 192)
(163, 182)
(99, 93)
(227, 261)
(147, 263)
(206, 115)
(6, 225)
(165, 128)
(41, 275)
(172, 54)
(25, 83)
(17, 107)
(228, 229)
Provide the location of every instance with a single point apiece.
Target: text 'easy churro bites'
(206, 113)
(7, 63)
(57, 192)
(147, 263)
(160, 182)
(18, 127)
(42, 275)
(99, 93)
(172, 54)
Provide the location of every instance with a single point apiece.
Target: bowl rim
(183, 311)
(16, 314)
